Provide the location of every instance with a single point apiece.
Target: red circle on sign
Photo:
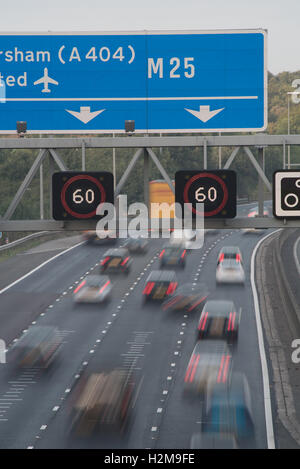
(77, 178)
(216, 178)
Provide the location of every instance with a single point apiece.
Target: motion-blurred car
(186, 298)
(115, 261)
(159, 285)
(227, 408)
(136, 245)
(102, 401)
(219, 319)
(230, 271)
(230, 252)
(188, 238)
(213, 441)
(172, 255)
(252, 214)
(210, 360)
(91, 237)
(38, 347)
(93, 289)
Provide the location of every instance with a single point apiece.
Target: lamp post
(220, 154)
(292, 93)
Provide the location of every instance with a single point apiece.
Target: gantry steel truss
(143, 146)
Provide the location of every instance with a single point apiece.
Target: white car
(230, 252)
(253, 214)
(189, 239)
(93, 289)
(230, 271)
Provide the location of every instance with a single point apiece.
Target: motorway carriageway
(34, 404)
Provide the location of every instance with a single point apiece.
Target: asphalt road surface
(35, 404)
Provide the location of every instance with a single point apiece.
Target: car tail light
(104, 260)
(162, 253)
(238, 258)
(104, 286)
(231, 321)
(183, 254)
(202, 321)
(221, 258)
(192, 366)
(197, 303)
(223, 370)
(148, 288)
(79, 286)
(125, 260)
(171, 288)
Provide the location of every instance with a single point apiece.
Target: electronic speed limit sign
(76, 195)
(286, 194)
(216, 190)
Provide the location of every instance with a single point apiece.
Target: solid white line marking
(38, 267)
(264, 365)
(295, 249)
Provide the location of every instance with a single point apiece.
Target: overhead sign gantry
(164, 81)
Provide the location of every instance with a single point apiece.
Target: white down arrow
(85, 115)
(204, 113)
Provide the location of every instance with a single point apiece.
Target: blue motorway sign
(186, 81)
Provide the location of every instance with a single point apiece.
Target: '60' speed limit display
(76, 195)
(216, 190)
(286, 194)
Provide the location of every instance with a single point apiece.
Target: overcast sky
(280, 17)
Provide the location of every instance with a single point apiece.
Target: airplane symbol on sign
(45, 79)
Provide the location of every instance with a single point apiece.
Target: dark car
(92, 238)
(172, 255)
(102, 402)
(136, 245)
(115, 261)
(211, 360)
(186, 298)
(38, 346)
(219, 319)
(159, 285)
